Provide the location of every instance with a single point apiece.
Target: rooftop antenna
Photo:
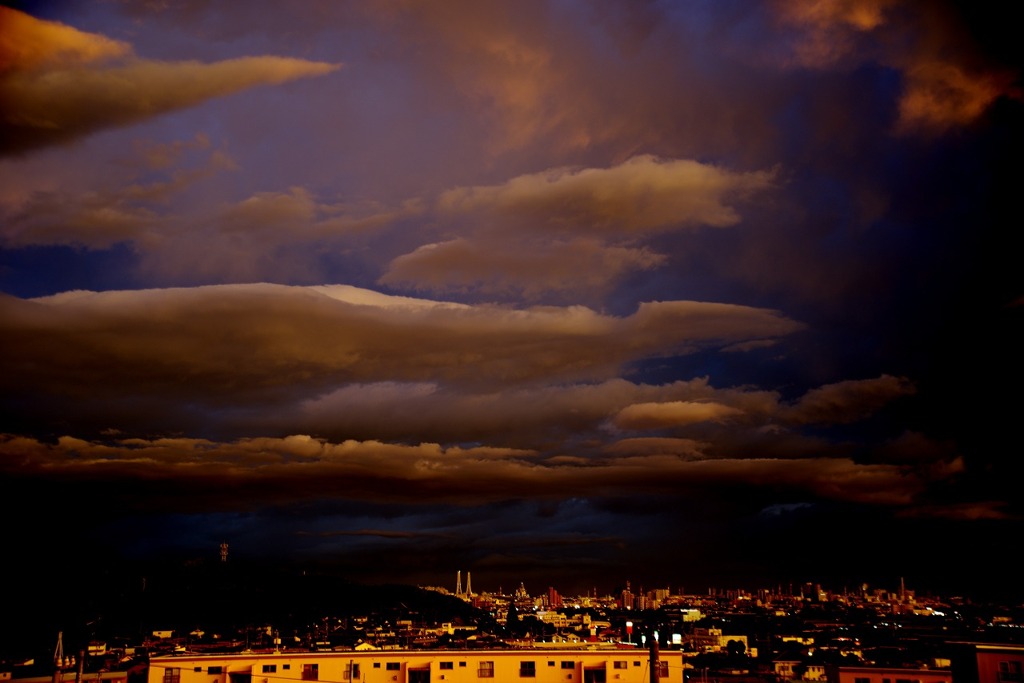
(58, 659)
(58, 653)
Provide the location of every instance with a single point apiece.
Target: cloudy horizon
(570, 293)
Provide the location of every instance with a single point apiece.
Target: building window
(172, 675)
(270, 668)
(619, 664)
(310, 672)
(217, 670)
(198, 669)
(662, 669)
(1010, 672)
(485, 670)
(568, 665)
(351, 672)
(393, 666)
(376, 665)
(636, 662)
(527, 669)
(462, 664)
(864, 680)
(286, 666)
(447, 665)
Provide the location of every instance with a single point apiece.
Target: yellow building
(422, 666)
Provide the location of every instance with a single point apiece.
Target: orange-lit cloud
(527, 270)
(673, 414)
(946, 84)
(28, 43)
(300, 467)
(132, 210)
(973, 511)
(498, 60)
(571, 231)
(60, 89)
(571, 234)
(941, 95)
(354, 363)
(848, 401)
(832, 28)
(683, 448)
(178, 339)
(713, 422)
(640, 196)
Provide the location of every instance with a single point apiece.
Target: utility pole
(653, 649)
(58, 658)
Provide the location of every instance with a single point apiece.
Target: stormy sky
(684, 293)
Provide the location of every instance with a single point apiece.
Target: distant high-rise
(626, 597)
(223, 552)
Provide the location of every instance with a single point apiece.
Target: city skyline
(680, 293)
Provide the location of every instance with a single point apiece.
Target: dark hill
(227, 599)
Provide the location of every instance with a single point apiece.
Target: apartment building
(422, 666)
(865, 674)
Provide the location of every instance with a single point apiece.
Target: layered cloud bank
(253, 345)
(617, 288)
(563, 234)
(537, 390)
(277, 471)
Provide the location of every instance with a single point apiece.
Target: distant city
(799, 632)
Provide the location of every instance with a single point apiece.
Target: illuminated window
(485, 670)
(172, 675)
(527, 669)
